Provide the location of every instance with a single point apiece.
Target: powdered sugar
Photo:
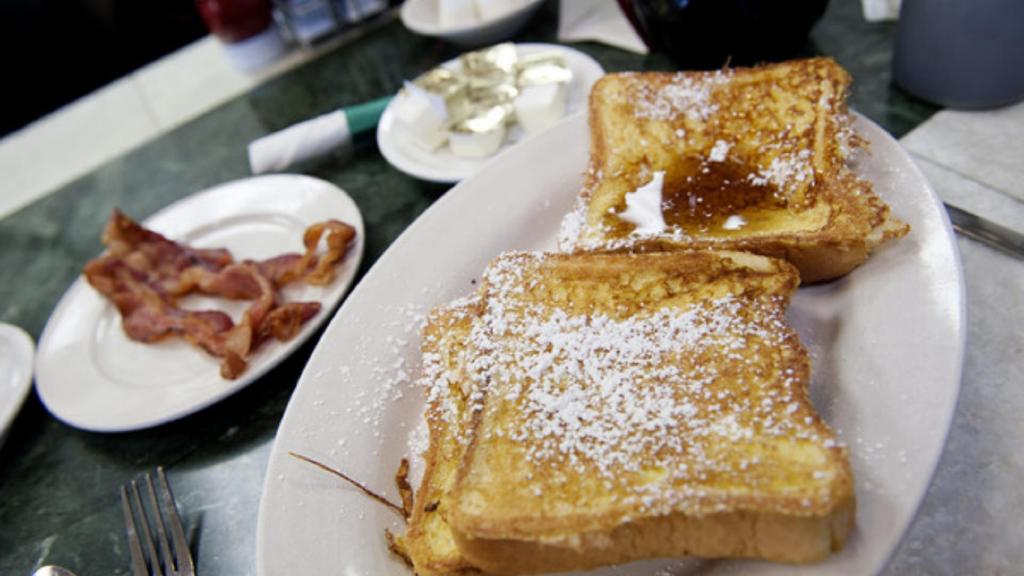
(572, 225)
(787, 173)
(443, 375)
(719, 151)
(392, 374)
(682, 95)
(619, 393)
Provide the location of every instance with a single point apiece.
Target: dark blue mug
(707, 34)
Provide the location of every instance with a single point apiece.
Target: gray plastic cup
(961, 53)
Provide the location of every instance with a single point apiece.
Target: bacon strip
(147, 315)
(143, 274)
(160, 260)
(290, 267)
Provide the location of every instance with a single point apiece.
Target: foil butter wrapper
(542, 68)
(490, 66)
(443, 82)
(480, 135)
(490, 120)
(480, 92)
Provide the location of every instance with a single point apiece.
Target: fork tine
(183, 558)
(147, 537)
(138, 561)
(161, 534)
(163, 512)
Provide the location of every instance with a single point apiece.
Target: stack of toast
(640, 394)
(599, 408)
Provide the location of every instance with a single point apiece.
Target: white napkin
(985, 145)
(973, 159)
(599, 21)
(299, 142)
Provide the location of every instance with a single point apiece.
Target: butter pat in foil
(422, 116)
(538, 107)
(481, 96)
(542, 68)
(481, 135)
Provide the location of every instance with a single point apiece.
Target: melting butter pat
(734, 222)
(422, 117)
(538, 107)
(643, 207)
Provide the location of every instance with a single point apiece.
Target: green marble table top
(59, 501)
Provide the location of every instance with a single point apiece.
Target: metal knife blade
(980, 229)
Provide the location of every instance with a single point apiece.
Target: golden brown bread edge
(859, 221)
(428, 543)
(773, 537)
(778, 531)
(822, 255)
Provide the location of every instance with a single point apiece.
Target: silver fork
(163, 515)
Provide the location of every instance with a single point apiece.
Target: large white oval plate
(91, 376)
(887, 342)
(445, 167)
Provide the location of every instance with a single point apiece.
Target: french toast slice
(643, 405)
(428, 541)
(751, 159)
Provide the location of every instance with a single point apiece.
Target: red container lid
(235, 20)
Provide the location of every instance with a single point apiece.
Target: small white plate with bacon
(198, 301)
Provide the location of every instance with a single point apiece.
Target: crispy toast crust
(741, 464)
(765, 536)
(769, 143)
(428, 541)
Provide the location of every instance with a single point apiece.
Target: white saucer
(91, 376)
(447, 168)
(16, 351)
(422, 17)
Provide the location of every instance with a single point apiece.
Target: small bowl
(423, 17)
